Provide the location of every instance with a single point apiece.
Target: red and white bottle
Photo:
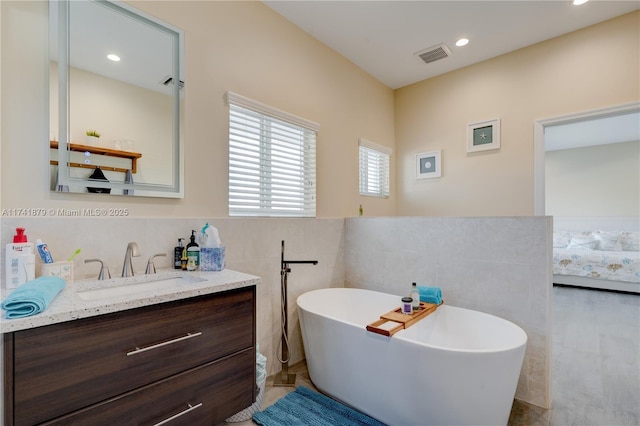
(20, 264)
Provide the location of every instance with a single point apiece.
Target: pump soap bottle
(20, 264)
(193, 253)
(177, 254)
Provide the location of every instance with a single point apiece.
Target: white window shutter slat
(374, 169)
(272, 168)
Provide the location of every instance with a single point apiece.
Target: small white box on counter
(62, 269)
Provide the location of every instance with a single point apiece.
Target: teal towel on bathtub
(430, 294)
(32, 297)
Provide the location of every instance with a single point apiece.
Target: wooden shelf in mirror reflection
(133, 156)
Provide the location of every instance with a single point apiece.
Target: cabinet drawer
(205, 395)
(64, 367)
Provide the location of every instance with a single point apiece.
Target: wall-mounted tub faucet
(151, 268)
(104, 270)
(127, 267)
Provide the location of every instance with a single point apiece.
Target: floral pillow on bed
(597, 240)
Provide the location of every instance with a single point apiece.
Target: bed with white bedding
(597, 258)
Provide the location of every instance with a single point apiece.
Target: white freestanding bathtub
(454, 367)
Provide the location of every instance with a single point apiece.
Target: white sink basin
(146, 284)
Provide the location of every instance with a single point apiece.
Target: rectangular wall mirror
(116, 96)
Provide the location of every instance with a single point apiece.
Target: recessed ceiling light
(114, 58)
(579, 2)
(462, 42)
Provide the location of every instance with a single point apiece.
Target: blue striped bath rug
(306, 407)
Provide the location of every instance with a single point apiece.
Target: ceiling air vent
(434, 53)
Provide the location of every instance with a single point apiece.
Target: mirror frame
(64, 179)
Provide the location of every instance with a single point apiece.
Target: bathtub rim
(400, 334)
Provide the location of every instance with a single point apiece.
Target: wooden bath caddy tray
(402, 320)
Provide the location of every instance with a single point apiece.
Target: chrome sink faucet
(127, 267)
(104, 269)
(151, 267)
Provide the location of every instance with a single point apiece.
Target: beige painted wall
(228, 47)
(240, 46)
(601, 180)
(588, 69)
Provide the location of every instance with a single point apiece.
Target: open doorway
(593, 194)
(590, 369)
(590, 123)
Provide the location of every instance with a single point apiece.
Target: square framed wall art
(428, 165)
(483, 136)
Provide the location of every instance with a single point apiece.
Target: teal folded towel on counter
(430, 294)
(32, 297)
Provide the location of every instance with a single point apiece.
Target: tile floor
(595, 376)
(595, 368)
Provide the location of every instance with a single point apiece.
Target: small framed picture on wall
(428, 165)
(483, 136)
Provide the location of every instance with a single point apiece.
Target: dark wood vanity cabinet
(191, 361)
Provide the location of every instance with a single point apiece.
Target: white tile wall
(252, 246)
(496, 265)
(501, 266)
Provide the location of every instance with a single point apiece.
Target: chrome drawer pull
(182, 413)
(168, 342)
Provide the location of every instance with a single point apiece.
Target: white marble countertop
(69, 305)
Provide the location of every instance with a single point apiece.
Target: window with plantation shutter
(374, 169)
(272, 161)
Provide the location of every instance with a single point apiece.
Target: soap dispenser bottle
(177, 254)
(193, 253)
(415, 295)
(20, 260)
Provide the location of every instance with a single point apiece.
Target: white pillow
(630, 241)
(583, 243)
(561, 239)
(608, 241)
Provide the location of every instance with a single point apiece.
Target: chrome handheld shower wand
(284, 378)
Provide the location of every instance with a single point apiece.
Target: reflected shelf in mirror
(133, 156)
